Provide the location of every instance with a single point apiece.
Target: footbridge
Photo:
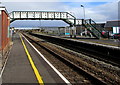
(45, 15)
(89, 24)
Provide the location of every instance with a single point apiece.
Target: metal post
(47, 14)
(60, 15)
(74, 31)
(27, 14)
(13, 15)
(20, 14)
(90, 33)
(84, 18)
(41, 15)
(70, 32)
(54, 15)
(118, 42)
(85, 32)
(65, 30)
(83, 11)
(40, 21)
(82, 26)
(58, 31)
(34, 14)
(81, 30)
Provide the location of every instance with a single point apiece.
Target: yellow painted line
(37, 74)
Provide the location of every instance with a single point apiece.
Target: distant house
(113, 26)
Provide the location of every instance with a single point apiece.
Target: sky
(98, 10)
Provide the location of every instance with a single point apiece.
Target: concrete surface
(19, 70)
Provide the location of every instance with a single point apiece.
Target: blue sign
(67, 33)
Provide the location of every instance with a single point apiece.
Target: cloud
(100, 13)
(104, 12)
(27, 6)
(119, 10)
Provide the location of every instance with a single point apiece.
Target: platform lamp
(83, 10)
(84, 18)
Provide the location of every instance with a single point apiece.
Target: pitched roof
(112, 23)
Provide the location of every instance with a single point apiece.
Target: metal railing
(91, 28)
(45, 15)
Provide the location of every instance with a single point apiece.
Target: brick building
(4, 30)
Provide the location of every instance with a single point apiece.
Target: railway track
(102, 53)
(74, 66)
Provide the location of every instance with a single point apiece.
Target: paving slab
(18, 69)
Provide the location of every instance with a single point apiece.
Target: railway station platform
(104, 41)
(19, 70)
(115, 43)
(111, 42)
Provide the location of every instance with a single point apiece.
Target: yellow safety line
(37, 74)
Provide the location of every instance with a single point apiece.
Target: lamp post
(84, 19)
(83, 10)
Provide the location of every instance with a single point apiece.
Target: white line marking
(4, 65)
(66, 81)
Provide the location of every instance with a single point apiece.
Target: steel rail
(78, 69)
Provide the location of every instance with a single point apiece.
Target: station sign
(116, 30)
(67, 33)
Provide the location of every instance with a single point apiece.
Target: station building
(4, 31)
(113, 26)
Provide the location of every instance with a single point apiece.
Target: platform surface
(102, 41)
(18, 68)
(111, 42)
